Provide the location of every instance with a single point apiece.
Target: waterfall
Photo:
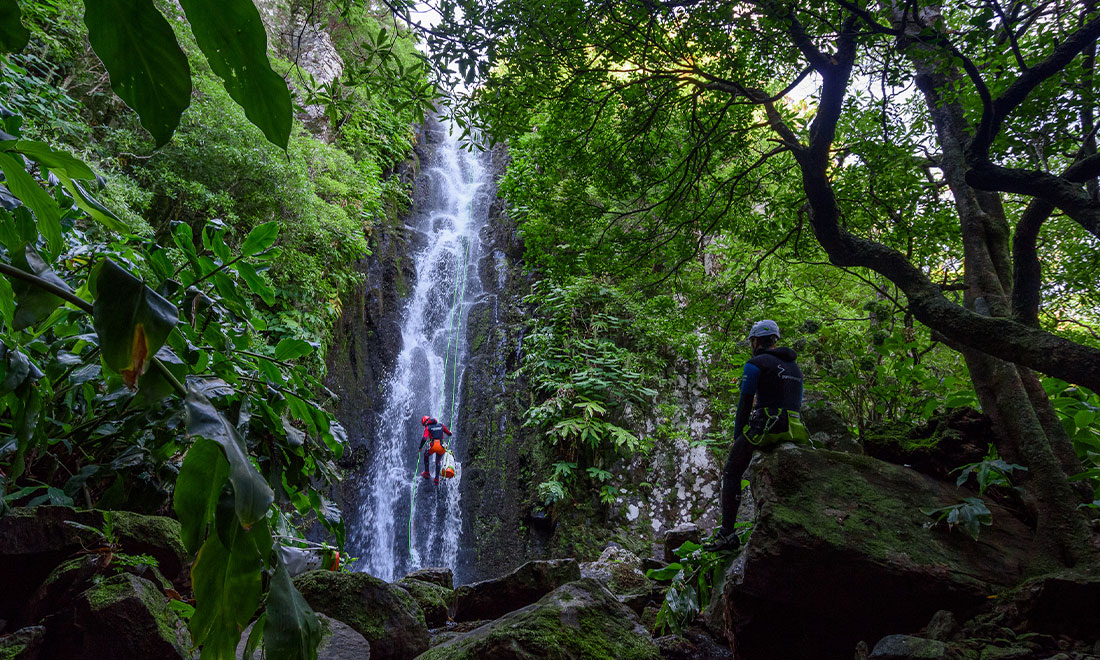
(427, 376)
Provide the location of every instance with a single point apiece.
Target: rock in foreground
(578, 621)
(385, 614)
(494, 598)
(840, 553)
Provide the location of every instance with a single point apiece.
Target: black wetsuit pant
(736, 464)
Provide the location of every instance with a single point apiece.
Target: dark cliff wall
(495, 484)
(367, 338)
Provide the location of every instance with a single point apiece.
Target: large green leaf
(32, 303)
(226, 578)
(260, 238)
(292, 631)
(13, 36)
(198, 486)
(232, 36)
(131, 319)
(16, 370)
(252, 495)
(23, 186)
(148, 69)
(59, 162)
(91, 206)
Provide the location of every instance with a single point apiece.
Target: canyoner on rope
(434, 434)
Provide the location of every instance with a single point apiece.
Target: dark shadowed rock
(692, 645)
(679, 535)
(71, 578)
(339, 641)
(906, 647)
(494, 598)
(122, 616)
(841, 547)
(33, 541)
(386, 615)
(434, 600)
(1065, 604)
(437, 575)
(578, 621)
(23, 644)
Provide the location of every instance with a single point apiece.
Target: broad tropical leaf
(131, 319)
(260, 238)
(252, 496)
(13, 36)
(232, 36)
(148, 69)
(198, 486)
(292, 631)
(32, 303)
(227, 580)
(23, 186)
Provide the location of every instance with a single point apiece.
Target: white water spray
(394, 500)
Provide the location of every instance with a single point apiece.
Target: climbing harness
(765, 429)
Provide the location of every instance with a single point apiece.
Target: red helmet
(424, 420)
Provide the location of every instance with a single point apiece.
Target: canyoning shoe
(722, 542)
(425, 474)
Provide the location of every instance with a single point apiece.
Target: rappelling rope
(454, 329)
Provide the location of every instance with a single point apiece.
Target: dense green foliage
(166, 310)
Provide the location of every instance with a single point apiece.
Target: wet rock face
(386, 615)
(840, 553)
(579, 620)
(490, 599)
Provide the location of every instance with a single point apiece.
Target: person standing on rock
(768, 412)
(434, 431)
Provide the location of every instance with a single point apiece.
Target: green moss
(12, 652)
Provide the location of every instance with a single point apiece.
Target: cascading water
(404, 521)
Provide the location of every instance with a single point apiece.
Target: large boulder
(679, 535)
(440, 575)
(122, 616)
(840, 552)
(434, 600)
(619, 569)
(490, 599)
(577, 621)
(385, 614)
(33, 541)
(73, 577)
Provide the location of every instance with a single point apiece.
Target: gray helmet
(763, 329)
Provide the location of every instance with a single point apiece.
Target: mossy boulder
(490, 599)
(33, 541)
(73, 577)
(434, 600)
(23, 644)
(578, 621)
(840, 552)
(385, 614)
(123, 616)
(908, 647)
(619, 570)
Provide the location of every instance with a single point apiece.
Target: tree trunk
(1023, 420)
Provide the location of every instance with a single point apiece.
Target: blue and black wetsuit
(770, 382)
